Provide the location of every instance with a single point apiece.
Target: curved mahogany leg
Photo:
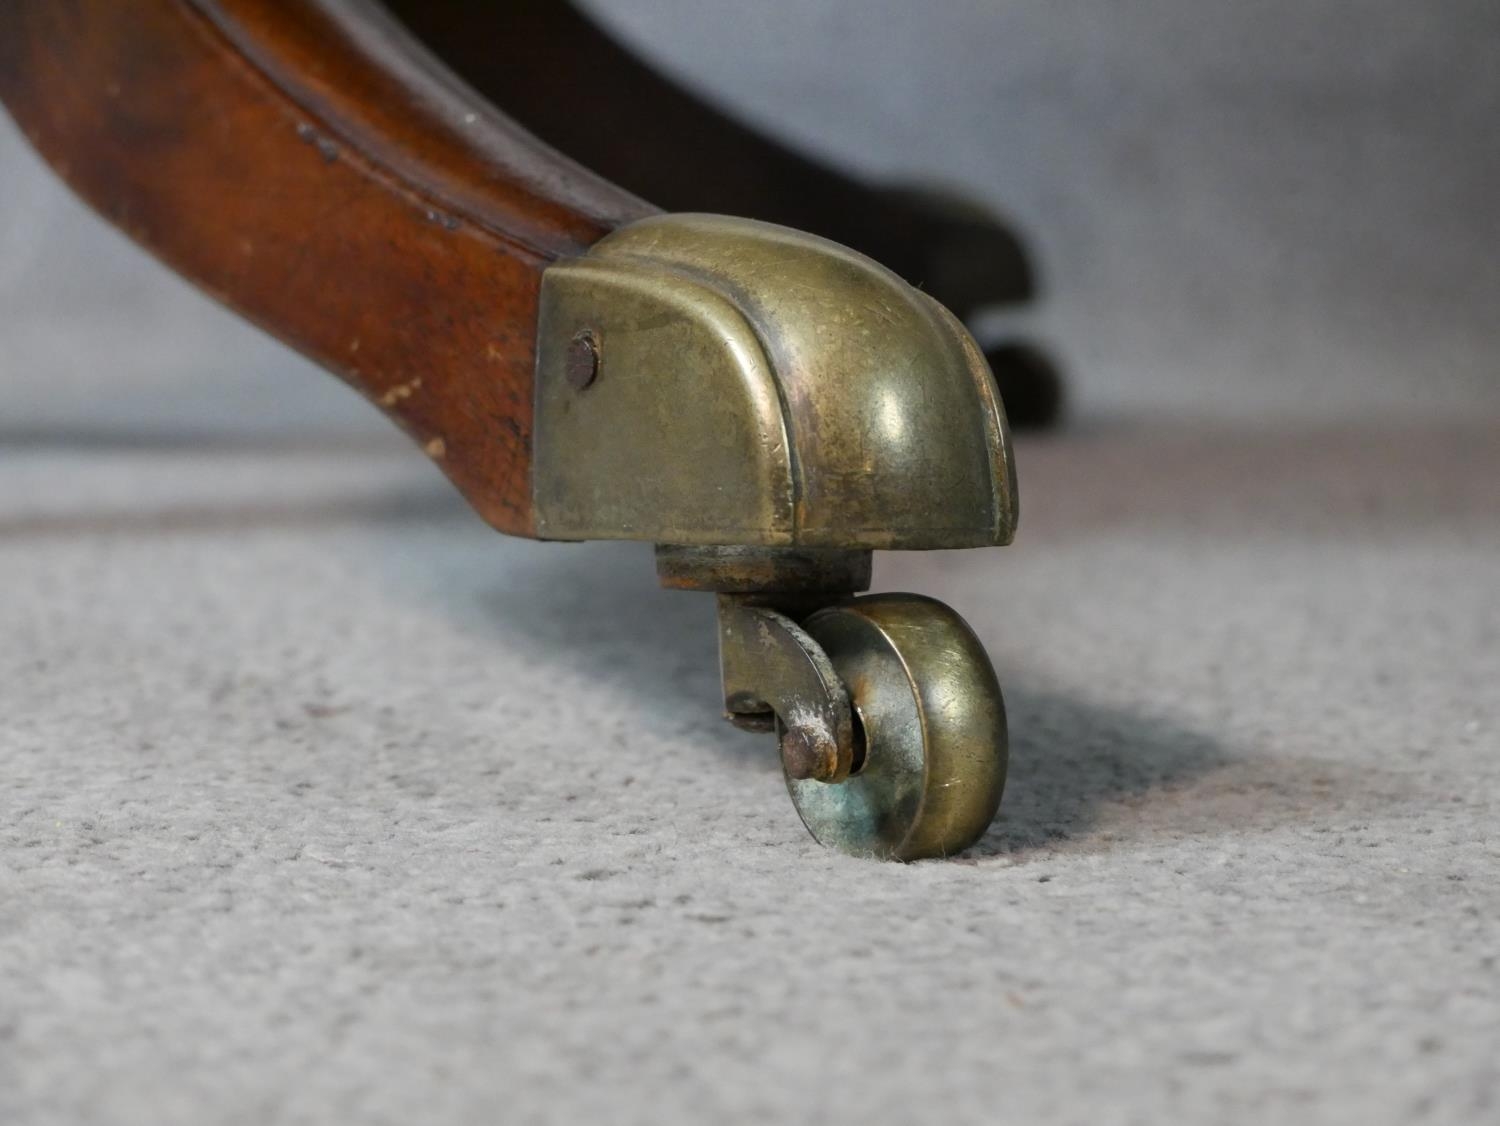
(312, 166)
(767, 407)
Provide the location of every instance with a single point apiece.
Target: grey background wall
(1278, 207)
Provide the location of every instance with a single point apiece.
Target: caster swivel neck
(770, 408)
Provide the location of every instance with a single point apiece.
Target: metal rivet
(582, 362)
(805, 756)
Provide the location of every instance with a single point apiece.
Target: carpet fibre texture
(319, 802)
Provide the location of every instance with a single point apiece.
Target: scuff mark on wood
(401, 391)
(326, 148)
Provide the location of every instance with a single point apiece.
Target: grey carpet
(319, 802)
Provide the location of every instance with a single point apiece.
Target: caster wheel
(931, 749)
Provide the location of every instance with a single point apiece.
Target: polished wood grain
(310, 165)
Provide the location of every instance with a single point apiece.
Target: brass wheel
(930, 767)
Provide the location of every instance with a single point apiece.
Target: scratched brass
(759, 386)
(770, 665)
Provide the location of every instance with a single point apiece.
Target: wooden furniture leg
(766, 406)
(308, 165)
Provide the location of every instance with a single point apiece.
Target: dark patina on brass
(775, 408)
(764, 387)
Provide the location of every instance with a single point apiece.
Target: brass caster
(770, 409)
(886, 709)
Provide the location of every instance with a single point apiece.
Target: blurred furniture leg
(580, 90)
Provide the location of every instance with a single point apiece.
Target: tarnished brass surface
(771, 667)
(931, 716)
(731, 570)
(752, 385)
(769, 408)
